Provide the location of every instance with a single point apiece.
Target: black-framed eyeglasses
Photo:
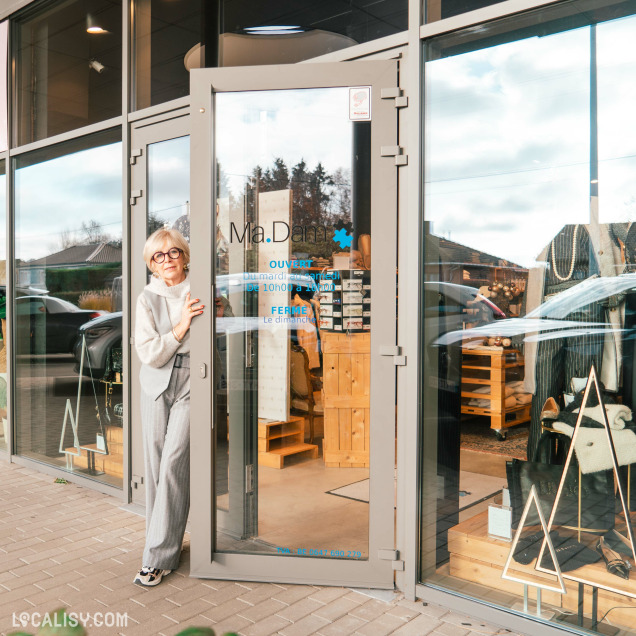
(173, 254)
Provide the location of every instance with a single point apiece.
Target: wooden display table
(487, 366)
(111, 464)
(346, 384)
(277, 440)
(476, 557)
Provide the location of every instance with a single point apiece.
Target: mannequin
(626, 236)
(570, 260)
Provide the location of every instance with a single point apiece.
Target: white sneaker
(150, 576)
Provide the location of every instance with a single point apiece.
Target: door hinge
(136, 481)
(390, 93)
(396, 353)
(249, 478)
(393, 556)
(395, 151)
(134, 195)
(249, 350)
(397, 94)
(132, 340)
(137, 152)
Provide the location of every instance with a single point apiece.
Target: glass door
(295, 474)
(160, 198)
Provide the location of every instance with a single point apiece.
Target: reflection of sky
(3, 217)
(508, 139)
(169, 178)
(59, 195)
(254, 128)
(4, 31)
(616, 60)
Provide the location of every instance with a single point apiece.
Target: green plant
(202, 631)
(79, 279)
(96, 300)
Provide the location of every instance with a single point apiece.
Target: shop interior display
(568, 327)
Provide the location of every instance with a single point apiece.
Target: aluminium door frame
(143, 133)
(377, 570)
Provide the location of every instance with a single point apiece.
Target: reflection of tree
(340, 196)
(155, 222)
(319, 198)
(90, 233)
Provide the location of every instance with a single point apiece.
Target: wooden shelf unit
(488, 366)
(277, 440)
(346, 391)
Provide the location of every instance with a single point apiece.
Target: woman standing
(164, 313)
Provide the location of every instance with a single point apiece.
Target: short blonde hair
(155, 242)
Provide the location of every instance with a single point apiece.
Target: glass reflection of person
(577, 253)
(165, 311)
(625, 234)
(570, 259)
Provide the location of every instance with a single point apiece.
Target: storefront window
(529, 295)
(172, 38)
(293, 325)
(67, 327)
(3, 307)
(4, 49)
(69, 67)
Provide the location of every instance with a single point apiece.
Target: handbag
(114, 364)
(591, 496)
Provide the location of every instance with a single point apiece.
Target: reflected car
(105, 332)
(102, 335)
(47, 325)
(552, 319)
(449, 307)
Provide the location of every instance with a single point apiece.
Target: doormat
(476, 435)
(482, 487)
(358, 491)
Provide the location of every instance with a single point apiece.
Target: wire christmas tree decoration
(534, 498)
(592, 381)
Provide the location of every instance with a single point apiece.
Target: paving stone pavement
(65, 545)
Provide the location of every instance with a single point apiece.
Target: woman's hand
(190, 310)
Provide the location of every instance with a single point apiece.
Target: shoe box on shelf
(345, 301)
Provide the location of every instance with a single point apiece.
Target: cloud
(60, 194)
(508, 139)
(254, 128)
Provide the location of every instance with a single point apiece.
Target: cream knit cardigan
(153, 348)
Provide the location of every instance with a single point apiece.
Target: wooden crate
(346, 383)
(488, 366)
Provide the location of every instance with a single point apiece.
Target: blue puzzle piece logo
(343, 237)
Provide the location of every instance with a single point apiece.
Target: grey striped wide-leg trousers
(166, 434)
(559, 359)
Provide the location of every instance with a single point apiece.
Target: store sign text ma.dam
(280, 231)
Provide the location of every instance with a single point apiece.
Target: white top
(154, 349)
